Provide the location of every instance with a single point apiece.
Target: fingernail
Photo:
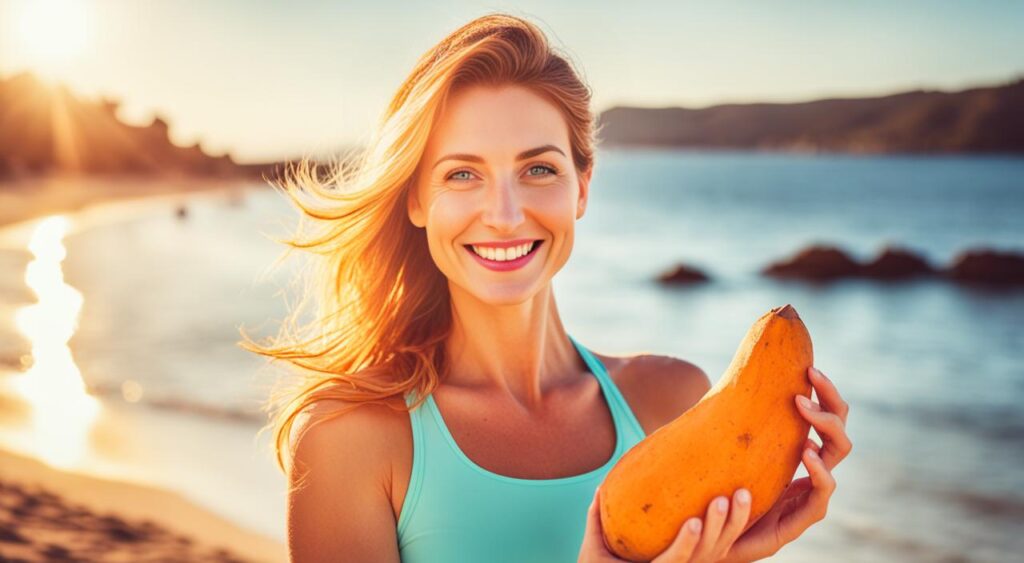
(819, 373)
(743, 497)
(694, 525)
(722, 505)
(812, 453)
(804, 401)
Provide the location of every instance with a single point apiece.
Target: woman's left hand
(805, 501)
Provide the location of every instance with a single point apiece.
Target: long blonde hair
(381, 307)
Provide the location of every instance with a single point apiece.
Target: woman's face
(498, 176)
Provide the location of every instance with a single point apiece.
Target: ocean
(146, 307)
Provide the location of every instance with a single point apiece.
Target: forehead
(497, 120)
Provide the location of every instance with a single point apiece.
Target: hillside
(978, 120)
(49, 129)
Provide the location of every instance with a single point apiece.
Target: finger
(714, 519)
(684, 544)
(815, 507)
(812, 445)
(828, 394)
(836, 444)
(800, 486)
(739, 513)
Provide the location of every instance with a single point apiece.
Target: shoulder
(340, 482)
(328, 432)
(658, 388)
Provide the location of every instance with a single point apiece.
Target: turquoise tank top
(457, 511)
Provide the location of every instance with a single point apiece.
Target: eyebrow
(521, 156)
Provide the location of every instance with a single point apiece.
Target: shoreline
(25, 200)
(44, 510)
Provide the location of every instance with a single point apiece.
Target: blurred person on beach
(433, 255)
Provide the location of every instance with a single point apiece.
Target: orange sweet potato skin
(745, 432)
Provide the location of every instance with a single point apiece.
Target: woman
(483, 428)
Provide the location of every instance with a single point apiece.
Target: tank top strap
(418, 461)
(616, 400)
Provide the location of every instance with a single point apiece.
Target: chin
(499, 296)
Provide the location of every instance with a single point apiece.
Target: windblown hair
(380, 307)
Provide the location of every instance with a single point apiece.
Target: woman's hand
(697, 541)
(805, 501)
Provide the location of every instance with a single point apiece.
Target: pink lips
(507, 265)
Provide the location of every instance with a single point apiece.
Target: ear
(581, 202)
(413, 207)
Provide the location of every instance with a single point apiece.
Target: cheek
(449, 215)
(556, 209)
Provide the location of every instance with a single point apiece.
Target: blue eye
(550, 169)
(452, 175)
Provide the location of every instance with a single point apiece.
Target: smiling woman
(434, 254)
(52, 33)
(485, 426)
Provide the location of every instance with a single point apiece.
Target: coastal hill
(47, 129)
(978, 120)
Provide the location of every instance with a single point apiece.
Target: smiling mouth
(500, 255)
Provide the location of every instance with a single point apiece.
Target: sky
(267, 80)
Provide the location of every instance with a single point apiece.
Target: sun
(54, 33)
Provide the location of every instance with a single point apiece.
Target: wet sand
(52, 515)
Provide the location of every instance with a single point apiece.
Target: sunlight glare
(55, 32)
(62, 409)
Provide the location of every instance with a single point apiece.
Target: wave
(177, 404)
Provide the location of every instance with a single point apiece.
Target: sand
(52, 515)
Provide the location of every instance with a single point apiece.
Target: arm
(338, 506)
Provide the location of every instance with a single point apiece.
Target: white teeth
(503, 254)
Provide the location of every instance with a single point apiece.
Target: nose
(502, 209)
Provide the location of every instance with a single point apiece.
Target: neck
(520, 351)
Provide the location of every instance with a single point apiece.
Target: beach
(177, 193)
(50, 514)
